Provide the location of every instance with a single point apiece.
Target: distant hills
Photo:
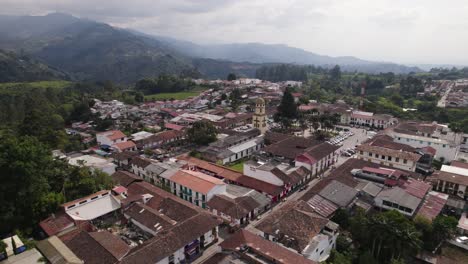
(22, 68)
(279, 53)
(89, 50)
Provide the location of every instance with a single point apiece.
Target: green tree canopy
(287, 110)
(202, 132)
(231, 77)
(34, 184)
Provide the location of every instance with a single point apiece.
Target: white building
(420, 135)
(196, 187)
(94, 163)
(109, 138)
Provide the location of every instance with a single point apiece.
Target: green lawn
(176, 96)
(39, 84)
(239, 166)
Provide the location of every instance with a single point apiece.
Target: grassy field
(38, 84)
(239, 166)
(176, 96)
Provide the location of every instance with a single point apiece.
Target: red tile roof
(433, 205)
(267, 249)
(114, 134)
(233, 176)
(125, 145)
(196, 181)
(459, 164)
(416, 188)
(56, 223)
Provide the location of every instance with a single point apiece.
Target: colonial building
(259, 119)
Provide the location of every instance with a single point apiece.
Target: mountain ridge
(90, 50)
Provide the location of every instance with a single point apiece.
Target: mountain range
(90, 50)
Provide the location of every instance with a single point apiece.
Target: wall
(262, 175)
(409, 166)
(444, 150)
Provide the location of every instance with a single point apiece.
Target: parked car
(462, 239)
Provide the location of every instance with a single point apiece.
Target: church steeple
(259, 118)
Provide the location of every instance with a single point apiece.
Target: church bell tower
(259, 118)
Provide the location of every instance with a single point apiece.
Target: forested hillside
(23, 68)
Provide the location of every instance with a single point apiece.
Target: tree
(139, 97)
(202, 133)
(3, 246)
(235, 97)
(34, 184)
(338, 258)
(287, 110)
(231, 77)
(341, 217)
(443, 228)
(335, 73)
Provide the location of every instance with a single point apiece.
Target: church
(259, 118)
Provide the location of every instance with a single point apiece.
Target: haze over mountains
(89, 50)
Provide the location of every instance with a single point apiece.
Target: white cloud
(417, 31)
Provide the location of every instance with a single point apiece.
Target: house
(274, 192)
(237, 211)
(124, 146)
(311, 235)
(420, 135)
(155, 172)
(246, 246)
(368, 119)
(185, 230)
(109, 138)
(433, 205)
(277, 173)
(452, 180)
(55, 251)
(96, 247)
(195, 186)
(316, 156)
(382, 150)
(92, 206)
(235, 191)
(161, 139)
(233, 146)
(406, 198)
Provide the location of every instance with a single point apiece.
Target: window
(383, 157)
(397, 159)
(405, 161)
(389, 158)
(443, 145)
(386, 203)
(370, 154)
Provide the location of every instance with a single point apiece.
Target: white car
(462, 239)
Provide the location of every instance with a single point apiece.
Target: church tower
(259, 118)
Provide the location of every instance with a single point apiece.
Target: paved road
(442, 102)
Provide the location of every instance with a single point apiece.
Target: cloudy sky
(404, 31)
